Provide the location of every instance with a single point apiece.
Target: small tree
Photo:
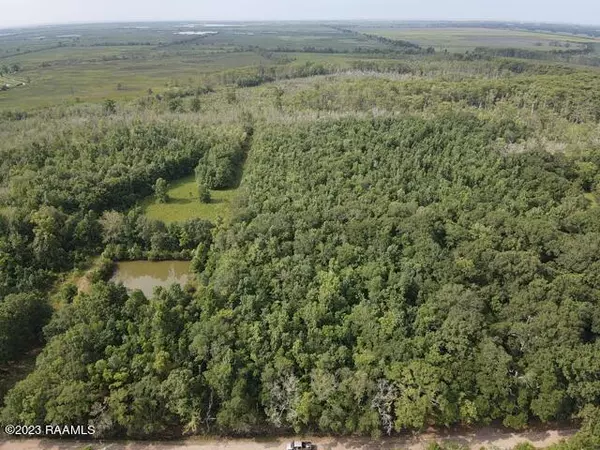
(160, 191)
(196, 104)
(175, 105)
(204, 193)
(109, 106)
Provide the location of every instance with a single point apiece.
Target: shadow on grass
(176, 201)
(185, 201)
(216, 201)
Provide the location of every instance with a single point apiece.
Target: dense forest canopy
(414, 242)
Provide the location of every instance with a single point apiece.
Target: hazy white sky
(27, 12)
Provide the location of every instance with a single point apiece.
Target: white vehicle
(299, 445)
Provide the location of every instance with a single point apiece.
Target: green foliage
(524, 446)
(134, 236)
(378, 276)
(558, 91)
(175, 105)
(104, 168)
(203, 193)
(109, 106)
(160, 191)
(450, 446)
(196, 104)
(589, 435)
(220, 166)
(22, 317)
(103, 270)
(414, 242)
(145, 391)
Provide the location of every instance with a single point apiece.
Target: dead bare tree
(383, 402)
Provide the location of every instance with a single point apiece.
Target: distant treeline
(532, 54)
(406, 46)
(584, 56)
(332, 50)
(256, 76)
(120, 44)
(497, 66)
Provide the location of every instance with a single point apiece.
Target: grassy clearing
(592, 198)
(184, 204)
(119, 79)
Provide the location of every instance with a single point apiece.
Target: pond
(146, 275)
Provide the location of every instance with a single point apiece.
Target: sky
(33, 12)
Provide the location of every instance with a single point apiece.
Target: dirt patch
(84, 284)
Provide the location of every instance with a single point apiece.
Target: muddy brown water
(147, 275)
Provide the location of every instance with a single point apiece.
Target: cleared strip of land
(487, 437)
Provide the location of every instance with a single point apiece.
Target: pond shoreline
(147, 275)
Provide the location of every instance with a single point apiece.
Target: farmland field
(464, 39)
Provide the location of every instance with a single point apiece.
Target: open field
(463, 39)
(89, 63)
(184, 204)
(68, 80)
(65, 65)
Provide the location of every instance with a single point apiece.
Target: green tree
(49, 238)
(204, 193)
(196, 104)
(22, 317)
(161, 188)
(175, 104)
(109, 106)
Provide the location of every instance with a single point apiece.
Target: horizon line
(381, 20)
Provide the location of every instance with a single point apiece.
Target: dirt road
(488, 437)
